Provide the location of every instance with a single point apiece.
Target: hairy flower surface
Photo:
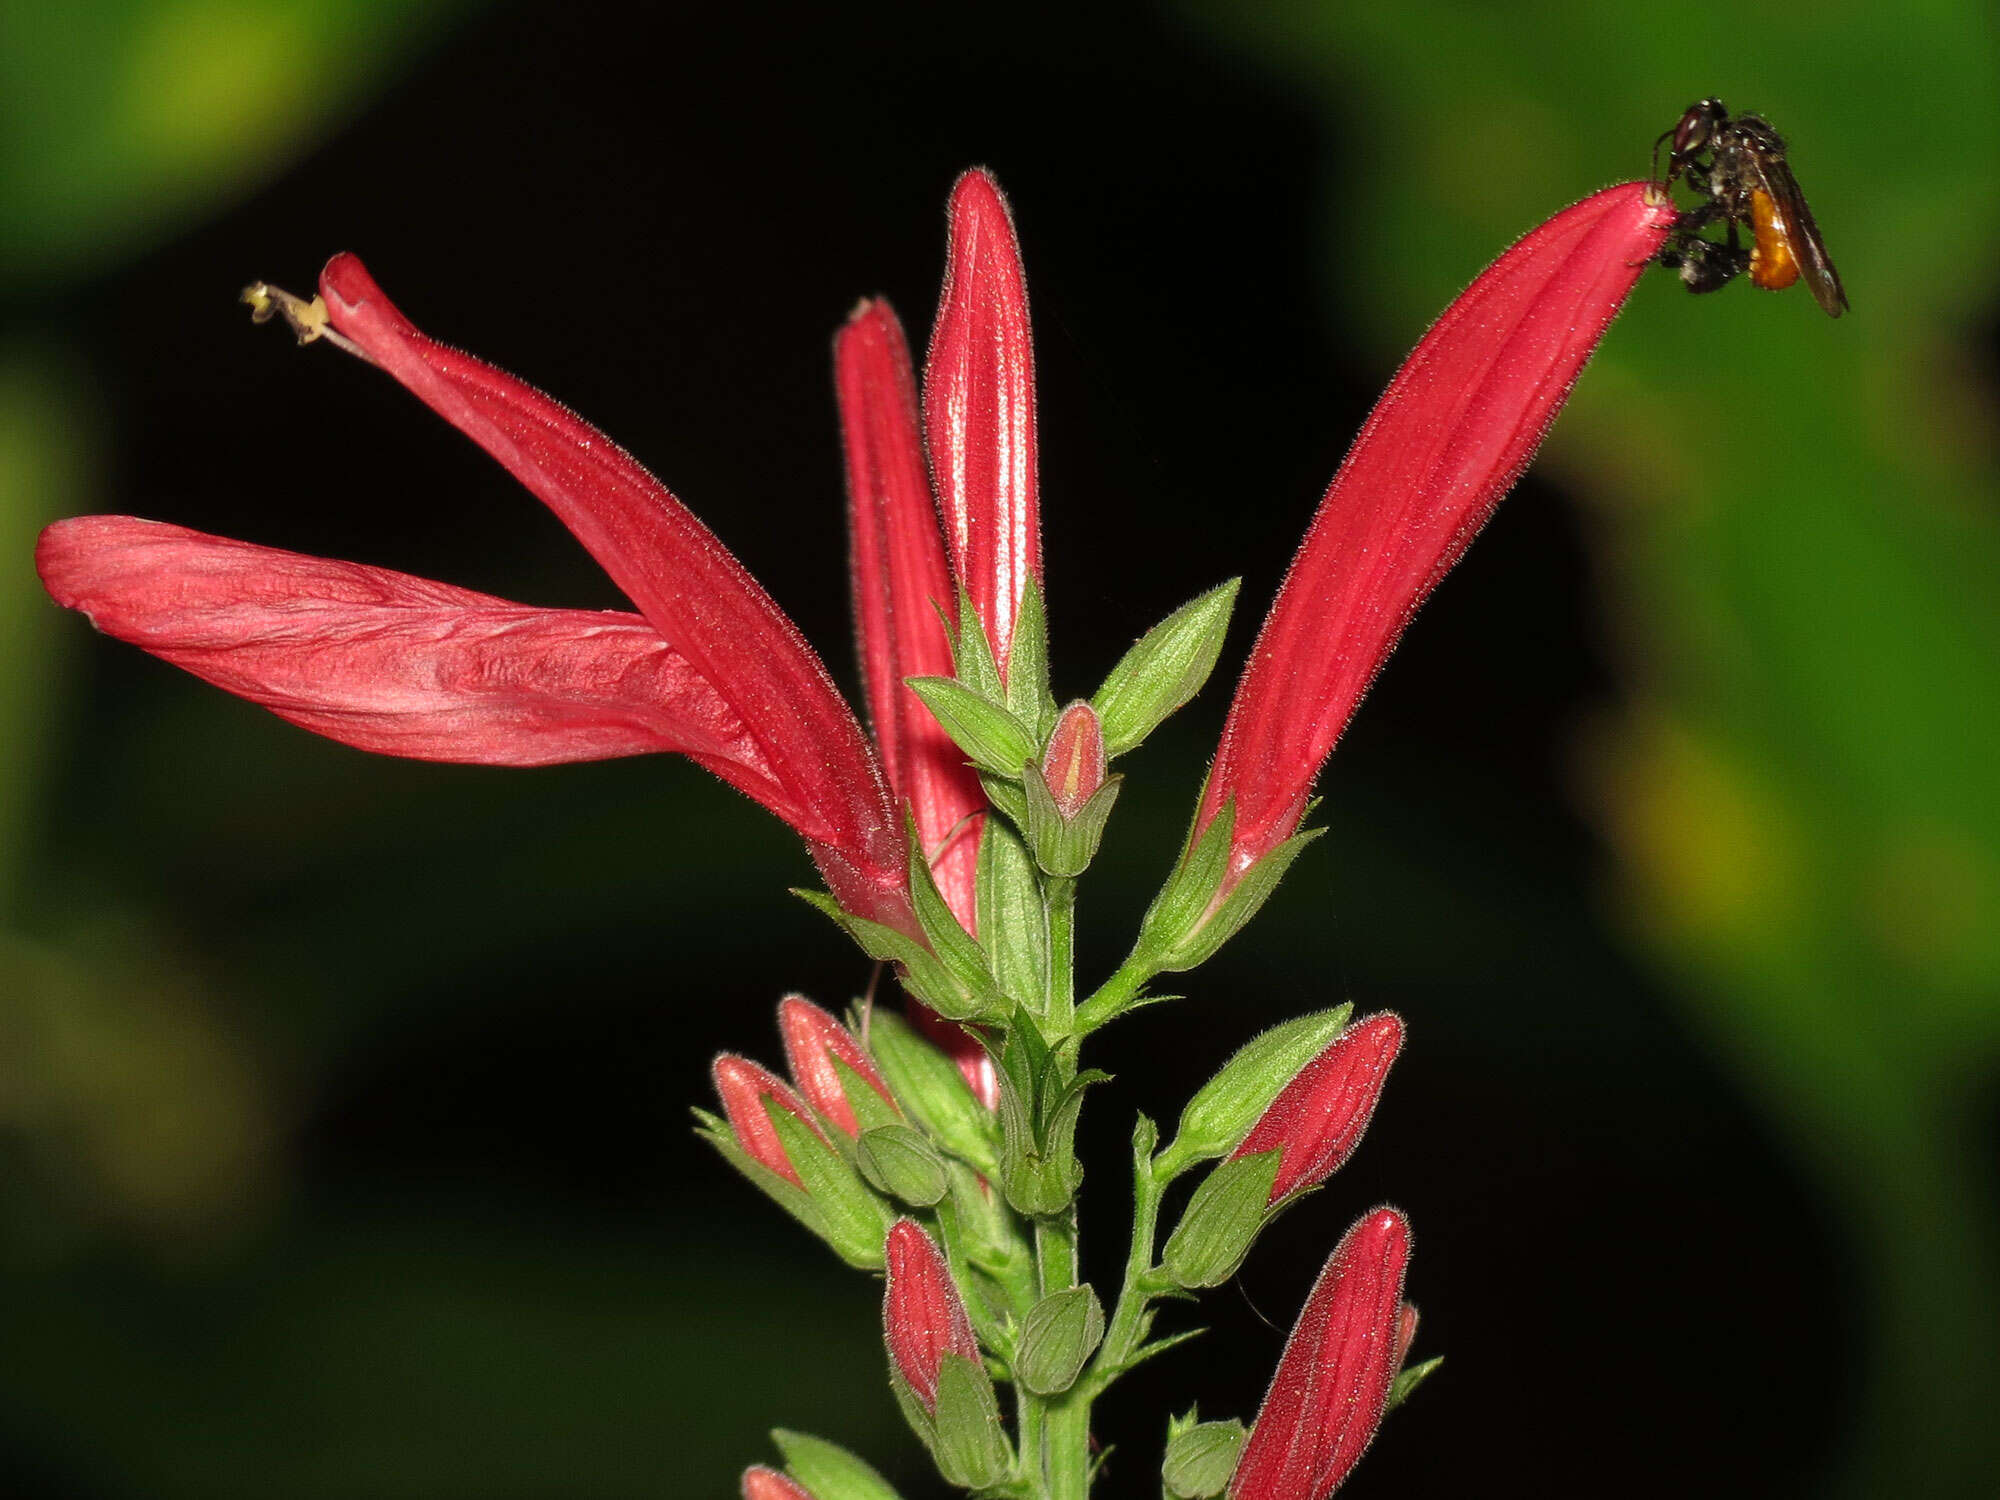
(923, 1316)
(1318, 1118)
(1449, 437)
(743, 1087)
(1332, 1381)
(814, 1043)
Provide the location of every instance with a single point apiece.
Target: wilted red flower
(760, 1483)
(923, 1318)
(1333, 1379)
(1448, 438)
(814, 1040)
(1318, 1118)
(743, 1087)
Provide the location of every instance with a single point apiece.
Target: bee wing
(1776, 178)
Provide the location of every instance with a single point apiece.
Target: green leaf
(991, 737)
(955, 949)
(1058, 1336)
(1221, 1221)
(1012, 916)
(1007, 796)
(919, 969)
(1166, 668)
(828, 1470)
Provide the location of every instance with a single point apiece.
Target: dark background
(344, 1100)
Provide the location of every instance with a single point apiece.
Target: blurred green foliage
(1798, 537)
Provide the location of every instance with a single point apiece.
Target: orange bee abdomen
(1772, 264)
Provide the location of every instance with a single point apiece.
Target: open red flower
(1448, 438)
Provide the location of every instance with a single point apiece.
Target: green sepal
(918, 968)
(1221, 1113)
(970, 1448)
(854, 1220)
(898, 1161)
(1062, 846)
(870, 1108)
(792, 1199)
(828, 1470)
(1166, 668)
(991, 737)
(929, 1086)
(1013, 917)
(1058, 1337)
(1028, 695)
(1408, 1379)
(1200, 1458)
(1039, 1172)
(1179, 930)
(1221, 1221)
(1007, 796)
(972, 660)
(956, 951)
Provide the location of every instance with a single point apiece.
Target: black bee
(1738, 166)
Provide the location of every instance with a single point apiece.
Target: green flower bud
(1059, 1335)
(1200, 1459)
(898, 1161)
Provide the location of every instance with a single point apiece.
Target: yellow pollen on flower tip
(310, 321)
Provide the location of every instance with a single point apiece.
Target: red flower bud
(1448, 438)
(1318, 1118)
(1406, 1333)
(1333, 1379)
(760, 1483)
(813, 1040)
(979, 411)
(1073, 764)
(923, 1317)
(743, 1087)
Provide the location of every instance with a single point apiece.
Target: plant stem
(1060, 896)
(1066, 1455)
(1127, 1330)
(1116, 993)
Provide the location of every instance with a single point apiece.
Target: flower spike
(979, 411)
(1332, 1381)
(1448, 438)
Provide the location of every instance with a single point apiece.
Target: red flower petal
(760, 1483)
(685, 582)
(813, 1040)
(923, 1318)
(900, 585)
(979, 410)
(400, 665)
(1332, 1381)
(1453, 431)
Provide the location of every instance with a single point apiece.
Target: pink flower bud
(743, 1087)
(1406, 1333)
(1333, 1379)
(760, 1483)
(1448, 438)
(923, 1317)
(979, 411)
(1318, 1118)
(813, 1041)
(1073, 764)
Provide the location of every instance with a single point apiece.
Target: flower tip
(1382, 1231)
(761, 1483)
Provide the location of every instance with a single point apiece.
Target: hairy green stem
(1116, 993)
(1127, 1330)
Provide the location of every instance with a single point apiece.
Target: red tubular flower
(923, 1318)
(743, 1087)
(813, 1041)
(710, 666)
(979, 411)
(1333, 1379)
(1318, 1118)
(760, 1483)
(901, 584)
(1448, 438)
